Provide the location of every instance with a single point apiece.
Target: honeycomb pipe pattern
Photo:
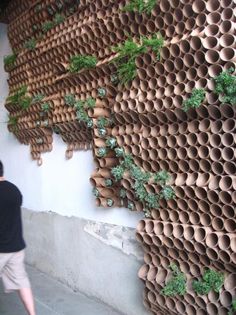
(196, 230)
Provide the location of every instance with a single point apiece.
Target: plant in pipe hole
(70, 99)
(195, 100)
(108, 182)
(37, 98)
(45, 107)
(225, 86)
(130, 205)
(167, 193)
(111, 142)
(122, 193)
(80, 62)
(161, 177)
(58, 19)
(232, 310)
(117, 172)
(47, 26)
(101, 152)
(177, 284)
(96, 192)
(9, 60)
(119, 152)
(212, 280)
(102, 132)
(140, 6)
(102, 92)
(30, 44)
(12, 120)
(110, 202)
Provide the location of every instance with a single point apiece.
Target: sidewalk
(53, 298)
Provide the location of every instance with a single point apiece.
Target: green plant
(108, 182)
(177, 284)
(12, 120)
(47, 26)
(37, 98)
(58, 19)
(50, 10)
(196, 99)
(90, 102)
(102, 132)
(80, 62)
(111, 142)
(119, 152)
(102, 122)
(161, 177)
(225, 86)
(25, 102)
(96, 192)
(117, 172)
(233, 308)
(212, 280)
(45, 107)
(130, 205)
(10, 60)
(70, 99)
(129, 51)
(102, 152)
(140, 6)
(152, 201)
(110, 202)
(38, 8)
(102, 92)
(155, 43)
(30, 44)
(122, 193)
(167, 193)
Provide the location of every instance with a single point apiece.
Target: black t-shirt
(11, 237)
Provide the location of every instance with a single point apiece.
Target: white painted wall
(59, 185)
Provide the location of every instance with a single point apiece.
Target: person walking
(12, 244)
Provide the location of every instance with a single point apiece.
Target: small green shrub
(10, 60)
(212, 280)
(119, 152)
(58, 19)
(167, 193)
(111, 142)
(25, 102)
(70, 99)
(140, 6)
(45, 107)
(110, 202)
(47, 26)
(196, 99)
(155, 43)
(108, 182)
(122, 193)
(12, 120)
(117, 172)
(96, 192)
(102, 122)
(130, 205)
(177, 284)
(225, 86)
(17, 97)
(30, 44)
(102, 152)
(80, 62)
(90, 102)
(161, 177)
(102, 92)
(102, 132)
(37, 98)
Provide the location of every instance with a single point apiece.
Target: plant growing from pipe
(129, 51)
(37, 98)
(140, 6)
(108, 182)
(225, 86)
(212, 280)
(45, 107)
(9, 61)
(80, 62)
(70, 99)
(30, 44)
(177, 284)
(232, 310)
(195, 100)
(47, 26)
(20, 98)
(58, 19)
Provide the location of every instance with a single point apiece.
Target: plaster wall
(59, 185)
(98, 259)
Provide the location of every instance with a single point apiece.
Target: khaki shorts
(12, 271)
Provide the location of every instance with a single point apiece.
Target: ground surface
(53, 298)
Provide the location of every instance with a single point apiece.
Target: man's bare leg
(26, 297)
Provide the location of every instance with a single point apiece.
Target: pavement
(53, 298)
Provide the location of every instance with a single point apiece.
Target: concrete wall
(98, 259)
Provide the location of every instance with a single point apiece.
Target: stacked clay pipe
(196, 230)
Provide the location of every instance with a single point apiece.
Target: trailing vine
(130, 50)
